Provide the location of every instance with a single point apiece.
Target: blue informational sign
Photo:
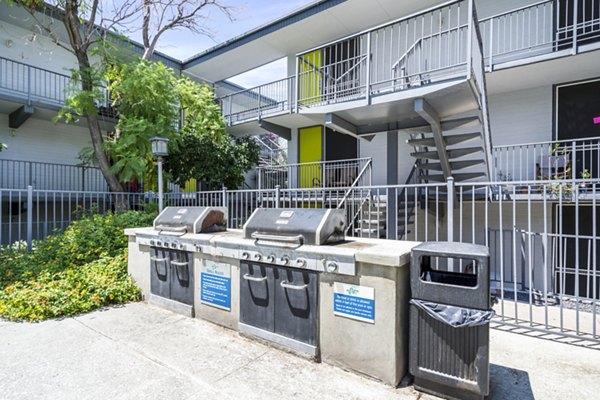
(215, 284)
(352, 301)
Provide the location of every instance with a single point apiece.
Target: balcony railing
(17, 174)
(268, 99)
(328, 174)
(554, 160)
(540, 28)
(37, 85)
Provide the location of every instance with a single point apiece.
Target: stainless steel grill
(191, 220)
(296, 225)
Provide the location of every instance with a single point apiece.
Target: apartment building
(464, 120)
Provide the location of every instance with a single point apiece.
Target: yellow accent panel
(310, 77)
(190, 186)
(310, 148)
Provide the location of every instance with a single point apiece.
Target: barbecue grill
(282, 253)
(176, 235)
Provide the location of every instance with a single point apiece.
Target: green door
(310, 153)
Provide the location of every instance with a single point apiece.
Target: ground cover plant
(76, 271)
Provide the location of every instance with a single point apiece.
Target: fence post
(277, 195)
(450, 208)
(82, 178)
(224, 193)
(29, 216)
(259, 177)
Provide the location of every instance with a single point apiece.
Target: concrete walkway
(142, 352)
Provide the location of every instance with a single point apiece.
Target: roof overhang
(318, 23)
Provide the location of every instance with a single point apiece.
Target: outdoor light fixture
(159, 146)
(160, 150)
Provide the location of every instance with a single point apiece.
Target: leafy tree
(220, 162)
(203, 150)
(147, 97)
(151, 99)
(90, 26)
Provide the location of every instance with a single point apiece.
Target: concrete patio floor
(141, 352)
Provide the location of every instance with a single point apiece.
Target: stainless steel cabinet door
(296, 296)
(159, 272)
(257, 295)
(182, 277)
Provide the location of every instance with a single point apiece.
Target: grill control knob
(270, 258)
(158, 243)
(301, 262)
(332, 266)
(181, 246)
(257, 257)
(245, 255)
(152, 243)
(285, 260)
(174, 245)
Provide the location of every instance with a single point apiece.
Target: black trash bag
(454, 316)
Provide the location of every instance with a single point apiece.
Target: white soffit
(345, 19)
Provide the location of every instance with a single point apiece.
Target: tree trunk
(73, 26)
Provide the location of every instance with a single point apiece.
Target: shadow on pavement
(509, 383)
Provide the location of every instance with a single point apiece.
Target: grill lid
(192, 220)
(296, 225)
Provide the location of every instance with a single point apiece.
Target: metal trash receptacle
(450, 312)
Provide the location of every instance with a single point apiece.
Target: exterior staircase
(458, 151)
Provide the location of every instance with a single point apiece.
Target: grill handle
(286, 285)
(171, 230)
(254, 279)
(180, 263)
(299, 239)
(158, 259)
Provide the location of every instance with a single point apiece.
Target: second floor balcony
(434, 47)
(30, 85)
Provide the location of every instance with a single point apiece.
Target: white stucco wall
(522, 116)
(43, 141)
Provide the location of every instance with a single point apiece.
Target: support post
(277, 195)
(224, 198)
(160, 185)
(29, 216)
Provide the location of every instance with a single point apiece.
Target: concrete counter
(362, 319)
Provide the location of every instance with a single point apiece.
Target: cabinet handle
(158, 259)
(254, 279)
(180, 263)
(286, 285)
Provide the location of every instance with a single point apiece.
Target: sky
(247, 15)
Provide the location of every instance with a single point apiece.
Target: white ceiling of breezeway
(347, 18)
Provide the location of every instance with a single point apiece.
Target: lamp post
(160, 150)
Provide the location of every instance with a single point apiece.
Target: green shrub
(71, 291)
(85, 240)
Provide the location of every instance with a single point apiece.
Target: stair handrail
(355, 183)
(361, 59)
(421, 39)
